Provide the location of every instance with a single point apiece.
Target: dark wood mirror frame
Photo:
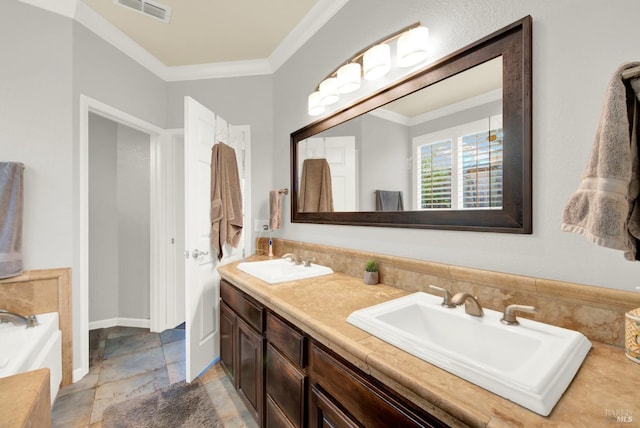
(514, 44)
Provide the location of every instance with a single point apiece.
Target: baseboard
(120, 322)
(78, 374)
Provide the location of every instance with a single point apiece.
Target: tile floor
(127, 362)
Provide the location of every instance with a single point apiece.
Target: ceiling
(208, 31)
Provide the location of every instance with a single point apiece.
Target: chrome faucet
(509, 316)
(471, 305)
(29, 321)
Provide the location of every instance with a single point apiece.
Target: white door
(340, 153)
(202, 282)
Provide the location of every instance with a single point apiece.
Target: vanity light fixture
(349, 77)
(329, 91)
(376, 62)
(412, 47)
(372, 63)
(314, 106)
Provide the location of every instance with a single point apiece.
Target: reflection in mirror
(449, 147)
(438, 148)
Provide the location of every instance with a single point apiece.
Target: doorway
(119, 225)
(159, 249)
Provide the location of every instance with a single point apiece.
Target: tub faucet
(471, 305)
(29, 321)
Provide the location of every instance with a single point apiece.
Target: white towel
(11, 207)
(601, 208)
(275, 210)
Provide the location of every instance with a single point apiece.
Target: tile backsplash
(595, 311)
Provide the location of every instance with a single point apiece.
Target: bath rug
(179, 405)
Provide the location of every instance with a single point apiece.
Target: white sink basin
(281, 270)
(530, 364)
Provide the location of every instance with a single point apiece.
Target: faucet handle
(307, 262)
(509, 317)
(446, 301)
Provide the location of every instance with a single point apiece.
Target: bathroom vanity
(282, 374)
(296, 361)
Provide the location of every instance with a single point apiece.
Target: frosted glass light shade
(314, 106)
(329, 91)
(349, 79)
(377, 61)
(412, 47)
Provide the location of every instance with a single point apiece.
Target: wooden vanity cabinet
(287, 380)
(242, 346)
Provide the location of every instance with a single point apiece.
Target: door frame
(159, 139)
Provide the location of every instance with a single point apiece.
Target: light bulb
(329, 91)
(412, 47)
(377, 61)
(349, 78)
(314, 106)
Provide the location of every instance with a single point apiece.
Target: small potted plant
(371, 272)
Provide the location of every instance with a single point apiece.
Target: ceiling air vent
(148, 7)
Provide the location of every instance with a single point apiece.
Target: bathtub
(24, 349)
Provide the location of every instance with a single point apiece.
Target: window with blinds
(435, 175)
(460, 168)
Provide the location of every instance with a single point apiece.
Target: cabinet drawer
(370, 403)
(325, 414)
(286, 339)
(286, 386)
(241, 304)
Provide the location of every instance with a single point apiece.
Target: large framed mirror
(449, 147)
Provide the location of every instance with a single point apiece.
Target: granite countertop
(604, 389)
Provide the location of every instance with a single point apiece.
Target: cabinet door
(285, 386)
(250, 380)
(274, 416)
(227, 341)
(323, 413)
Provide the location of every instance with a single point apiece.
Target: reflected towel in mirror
(315, 194)
(389, 200)
(11, 209)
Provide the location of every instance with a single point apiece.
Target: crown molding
(302, 32)
(252, 67)
(94, 22)
(61, 7)
(447, 110)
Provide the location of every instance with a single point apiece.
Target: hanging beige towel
(11, 208)
(601, 208)
(275, 210)
(226, 199)
(315, 193)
